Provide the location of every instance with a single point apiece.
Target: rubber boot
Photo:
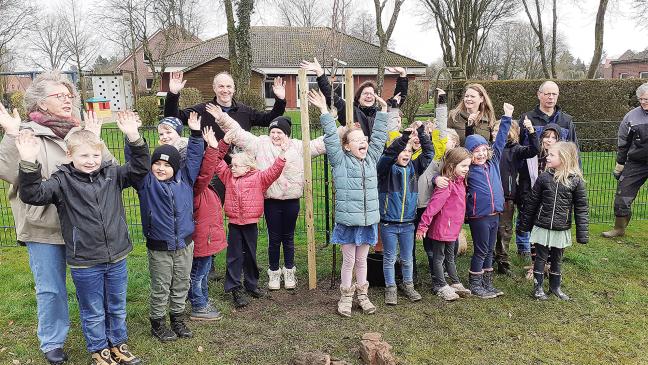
(554, 286)
(476, 286)
(620, 224)
(538, 291)
(488, 284)
(363, 299)
(346, 300)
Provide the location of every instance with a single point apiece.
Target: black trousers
(634, 175)
(553, 254)
(281, 218)
(241, 256)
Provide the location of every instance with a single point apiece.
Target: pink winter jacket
(445, 213)
(244, 195)
(290, 184)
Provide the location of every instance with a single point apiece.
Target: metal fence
(597, 167)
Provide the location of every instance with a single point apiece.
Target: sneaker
(274, 279)
(240, 299)
(206, 313)
(447, 293)
(256, 293)
(123, 356)
(461, 290)
(411, 293)
(289, 278)
(391, 296)
(103, 357)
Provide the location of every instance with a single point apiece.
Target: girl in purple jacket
(442, 221)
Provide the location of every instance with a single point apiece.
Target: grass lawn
(603, 324)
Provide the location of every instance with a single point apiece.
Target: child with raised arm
(88, 196)
(353, 164)
(484, 203)
(166, 206)
(245, 186)
(441, 223)
(548, 214)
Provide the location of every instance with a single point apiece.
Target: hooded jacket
(513, 156)
(398, 185)
(90, 206)
(355, 180)
(633, 137)
(485, 195)
(551, 203)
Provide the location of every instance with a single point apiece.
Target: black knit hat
(169, 154)
(282, 123)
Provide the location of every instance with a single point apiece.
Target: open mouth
(362, 149)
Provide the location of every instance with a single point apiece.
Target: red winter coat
(445, 213)
(244, 195)
(209, 234)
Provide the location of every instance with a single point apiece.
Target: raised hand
(440, 91)
(9, 122)
(528, 124)
(318, 99)
(210, 137)
(129, 123)
(92, 123)
(472, 118)
(508, 110)
(397, 98)
(279, 88)
(229, 136)
(176, 83)
(215, 111)
(28, 146)
(194, 121)
(312, 66)
(397, 70)
(381, 102)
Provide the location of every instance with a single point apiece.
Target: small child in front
(442, 221)
(166, 206)
(548, 213)
(88, 196)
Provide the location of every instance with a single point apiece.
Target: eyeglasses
(62, 96)
(366, 93)
(555, 95)
(359, 139)
(643, 100)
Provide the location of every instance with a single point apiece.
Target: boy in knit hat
(166, 205)
(170, 133)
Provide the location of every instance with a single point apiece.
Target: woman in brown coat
(474, 114)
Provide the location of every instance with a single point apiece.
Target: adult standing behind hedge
(632, 161)
(51, 104)
(474, 114)
(224, 89)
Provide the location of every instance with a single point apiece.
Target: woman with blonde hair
(473, 115)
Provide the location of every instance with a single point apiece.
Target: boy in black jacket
(512, 157)
(88, 195)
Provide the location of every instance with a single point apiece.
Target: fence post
(308, 180)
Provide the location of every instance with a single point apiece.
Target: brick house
(277, 51)
(156, 42)
(631, 65)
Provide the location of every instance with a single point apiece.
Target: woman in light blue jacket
(353, 163)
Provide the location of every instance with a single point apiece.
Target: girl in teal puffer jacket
(353, 164)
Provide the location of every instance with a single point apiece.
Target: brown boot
(620, 225)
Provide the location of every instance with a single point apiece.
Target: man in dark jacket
(632, 161)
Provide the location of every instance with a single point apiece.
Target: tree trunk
(540, 34)
(598, 39)
(383, 37)
(554, 41)
(244, 48)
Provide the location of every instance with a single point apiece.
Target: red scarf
(60, 126)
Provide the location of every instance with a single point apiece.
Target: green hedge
(189, 96)
(586, 100)
(148, 108)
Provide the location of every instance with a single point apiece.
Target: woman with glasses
(473, 114)
(51, 103)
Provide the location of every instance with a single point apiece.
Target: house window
(267, 88)
(338, 86)
(643, 75)
(624, 75)
(149, 84)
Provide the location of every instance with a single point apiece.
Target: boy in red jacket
(244, 189)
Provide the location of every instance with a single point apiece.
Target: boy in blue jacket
(166, 206)
(398, 195)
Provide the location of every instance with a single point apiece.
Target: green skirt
(550, 238)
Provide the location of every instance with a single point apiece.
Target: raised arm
(427, 153)
(222, 170)
(263, 119)
(33, 190)
(325, 87)
(502, 134)
(269, 175)
(176, 84)
(208, 166)
(10, 123)
(524, 152)
(133, 172)
(400, 92)
(195, 149)
(331, 138)
(379, 131)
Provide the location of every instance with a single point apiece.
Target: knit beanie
(475, 140)
(169, 154)
(172, 122)
(282, 123)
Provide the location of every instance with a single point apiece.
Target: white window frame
(624, 75)
(643, 75)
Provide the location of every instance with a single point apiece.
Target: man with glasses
(631, 163)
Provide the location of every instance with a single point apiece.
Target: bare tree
(363, 26)
(640, 8)
(598, 39)
(79, 40)
(384, 36)
(464, 25)
(341, 14)
(48, 44)
(17, 18)
(548, 68)
(301, 13)
(238, 34)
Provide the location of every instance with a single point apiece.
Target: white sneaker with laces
(274, 279)
(447, 293)
(290, 282)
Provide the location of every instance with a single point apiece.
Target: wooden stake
(348, 96)
(308, 180)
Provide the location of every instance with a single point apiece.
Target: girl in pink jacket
(244, 189)
(442, 220)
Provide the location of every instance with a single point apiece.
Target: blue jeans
(47, 263)
(484, 234)
(198, 290)
(101, 293)
(522, 240)
(395, 235)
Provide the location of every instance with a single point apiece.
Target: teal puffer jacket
(355, 180)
